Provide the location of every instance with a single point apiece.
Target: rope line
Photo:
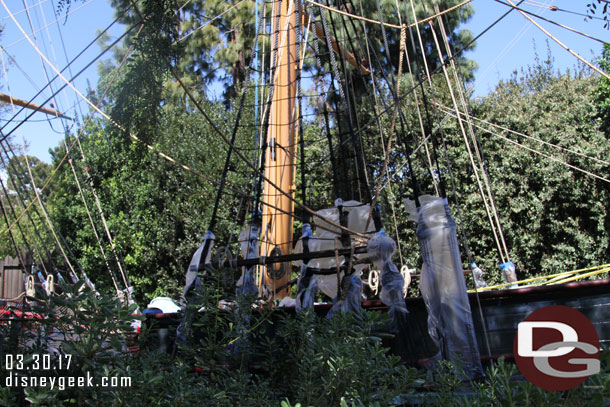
(468, 148)
(553, 22)
(425, 20)
(596, 270)
(484, 171)
(537, 152)
(448, 111)
(596, 69)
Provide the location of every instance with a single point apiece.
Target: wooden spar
(19, 102)
(281, 140)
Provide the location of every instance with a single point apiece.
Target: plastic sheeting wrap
(477, 274)
(380, 251)
(508, 271)
(307, 285)
(442, 284)
(191, 273)
(351, 300)
(248, 239)
(324, 239)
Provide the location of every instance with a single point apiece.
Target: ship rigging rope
(452, 113)
(161, 154)
(462, 228)
(436, 70)
(44, 68)
(33, 201)
(414, 92)
(44, 211)
(552, 22)
(48, 25)
(478, 151)
(127, 31)
(387, 147)
(17, 251)
(555, 8)
(380, 131)
(469, 150)
(25, 9)
(48, 181)
(23, 235)
(362, 176)
(4, 211)
(425, 20)
(590, 271)
(97, 237)
(11, 178)
(23, 72)
(209, 21)
(596, 69)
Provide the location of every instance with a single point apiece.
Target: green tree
(554, 217)
(18, 169)
(602, 93)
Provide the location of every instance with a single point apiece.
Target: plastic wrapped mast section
(307, 284)
(442, 284)
(191, 273)
(380, 251)
(324, 239)
(248, 239)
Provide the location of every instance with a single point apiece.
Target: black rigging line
(301, 133)
(551, 21)
(10, 205)
(335, 169)
(11, 178)
(70, 80)
(436, 70)
(429, 121)
(17, 252)
(360, 167)
(61, 237)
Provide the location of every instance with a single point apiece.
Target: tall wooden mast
(277, 223)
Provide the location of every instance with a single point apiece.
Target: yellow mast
(282, 135)
(277, 223)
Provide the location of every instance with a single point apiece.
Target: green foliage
(554, 217)
(339, 359)
(248, 357)
(602, 93)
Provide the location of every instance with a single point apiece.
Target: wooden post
(281, 140)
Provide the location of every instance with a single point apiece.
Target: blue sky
(506, 48)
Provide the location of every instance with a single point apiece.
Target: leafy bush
(252, 357)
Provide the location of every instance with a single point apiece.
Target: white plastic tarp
(248, 239)
(307, 285)
(442, 284)
(324, 239)
(191, 273)
(380, 251)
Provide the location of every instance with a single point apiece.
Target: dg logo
(556, 348)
